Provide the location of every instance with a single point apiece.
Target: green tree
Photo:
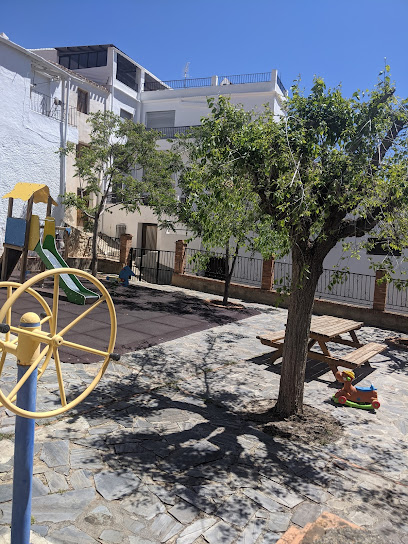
(120, 152)
(219, 204)
(330, 168)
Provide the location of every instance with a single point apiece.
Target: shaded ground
(166, 448)
(146, 317)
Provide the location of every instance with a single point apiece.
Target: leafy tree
(330, 168)
(120, 152)
(219, 204)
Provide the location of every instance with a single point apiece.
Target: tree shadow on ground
(188, 439)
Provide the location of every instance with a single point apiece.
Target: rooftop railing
(187, 83)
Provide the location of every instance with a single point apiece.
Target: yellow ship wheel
(46, 316)
(54, 340)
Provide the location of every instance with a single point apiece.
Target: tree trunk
(291, 388)
(94, 261)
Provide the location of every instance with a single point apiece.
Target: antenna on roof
(186, 68)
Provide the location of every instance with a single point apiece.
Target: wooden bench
(361, 355)
(270, 338)
(352, 360)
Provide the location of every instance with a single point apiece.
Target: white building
(168, 106)
(35, 123)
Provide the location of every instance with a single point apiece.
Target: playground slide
(48, 253)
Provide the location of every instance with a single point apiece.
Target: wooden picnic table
(325, 329)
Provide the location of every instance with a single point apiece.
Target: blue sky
(344, 41)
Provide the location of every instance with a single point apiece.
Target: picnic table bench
(326, 329)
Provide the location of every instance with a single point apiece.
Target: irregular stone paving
(160, 453)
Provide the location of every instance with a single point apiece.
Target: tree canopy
(330, 168)
(121, 159)
(219, 204)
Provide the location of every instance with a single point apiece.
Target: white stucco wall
(29, 141)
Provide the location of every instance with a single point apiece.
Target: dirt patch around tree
(313, 426)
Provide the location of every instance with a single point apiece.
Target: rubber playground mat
(145, 316)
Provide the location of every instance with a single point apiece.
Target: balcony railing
(172, 132)
(244, 78)
(188, 83)
(51, 106)
(177, 84)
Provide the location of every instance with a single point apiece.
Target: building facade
(170, 107)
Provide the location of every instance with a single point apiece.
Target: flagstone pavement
(160, 451)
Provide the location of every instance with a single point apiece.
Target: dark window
(83, 60)
(125, 114)
(90, 59)
(381, 247)
(102, 58)
(64, 61)
(74, 62)
(82, 104)
(126, 72)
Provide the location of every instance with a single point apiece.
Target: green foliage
(219, 204)
(119, 153)
(121, 158)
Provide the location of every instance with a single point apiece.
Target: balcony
(51, 106)
(188, 83)
(172, 132)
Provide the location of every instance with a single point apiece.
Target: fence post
(180, 257)
(268, 270)
(158, 266)
(380, 291)
(125, 246)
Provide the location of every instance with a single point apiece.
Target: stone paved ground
(160, 451)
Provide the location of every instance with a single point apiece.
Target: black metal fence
(186, 83)
(332, 284)
(171, 132)
(153, 266)
(244, 78)
(397, 296)
(189, 83)
(156, 266)
(247, 270)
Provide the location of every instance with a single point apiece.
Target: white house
(34, 123)
(168, 106)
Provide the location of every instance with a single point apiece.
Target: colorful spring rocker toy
(364, 398)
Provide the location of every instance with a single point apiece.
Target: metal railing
(347, 286)
(397, 296)
(108, 247)
(261, 77)
(186, 83)
(332, 284)
(172, 132)
(247, 270)
(153, 266)
(51, 107)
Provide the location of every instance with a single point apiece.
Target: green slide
(69, 283)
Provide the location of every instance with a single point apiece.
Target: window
(79, 61)
(160, 119)
(381, 247)
(125, 114)
(82, 103)
(126, 72)
(120, 229)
